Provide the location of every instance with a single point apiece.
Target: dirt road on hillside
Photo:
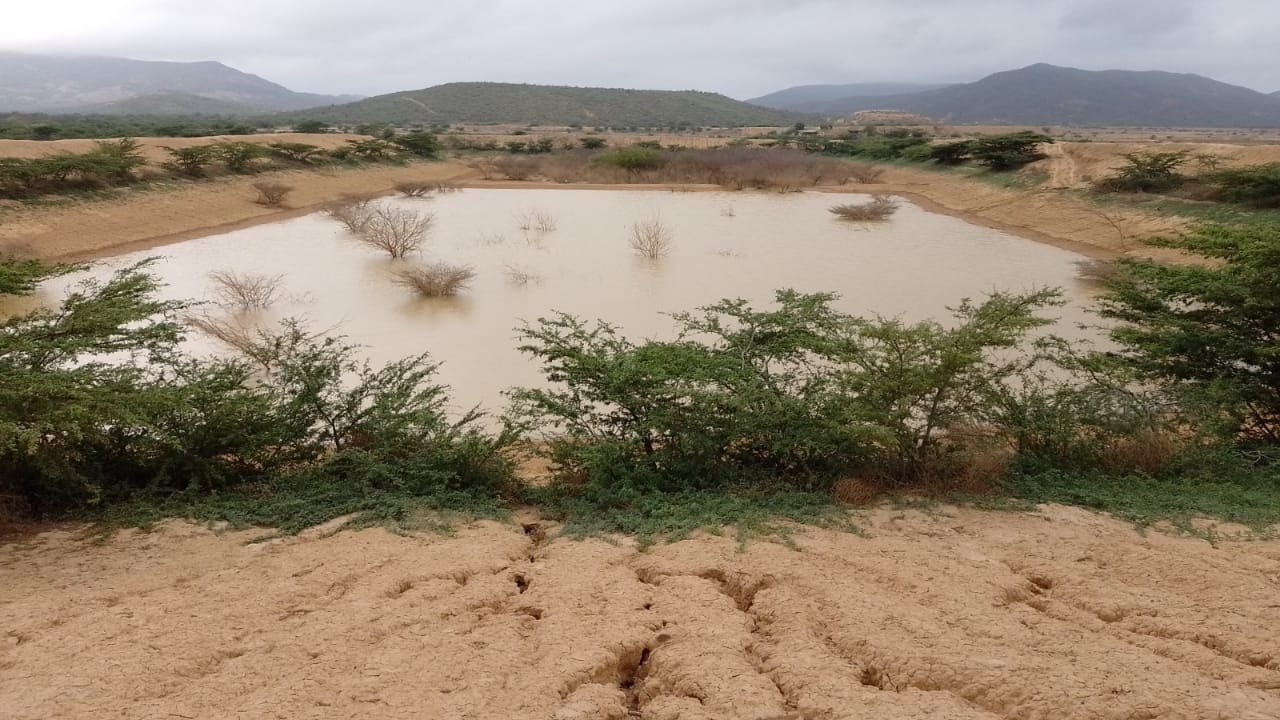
(966, 614)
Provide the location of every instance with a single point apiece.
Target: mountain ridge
(492, 102)
(70, 84)
(812, 98)
(1044, 94)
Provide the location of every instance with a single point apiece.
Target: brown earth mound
(1059, 614)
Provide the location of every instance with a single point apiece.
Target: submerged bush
(245, 291)
(395, 231)
(879, 207)
(354, 214)
(651, 238)
(437, 279)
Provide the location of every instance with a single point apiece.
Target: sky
(743, 48)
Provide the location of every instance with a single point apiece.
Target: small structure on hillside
(887, 117)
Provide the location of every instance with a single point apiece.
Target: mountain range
(489, 102)
(827, 99)
(1035, 95)
(108, 85)
(1050, 95)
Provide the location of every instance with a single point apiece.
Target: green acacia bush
(110, 163)
(952, 153)
(238, 156)
(190, 161)
(1010, 151)
(998, 153)
(1257, 185)
(368, 149)
(1210, 331)
(799, 395)
(633, 158)
(890, 145)
(1146, 172)
(296, 152)
(419, 144)
(98, 406)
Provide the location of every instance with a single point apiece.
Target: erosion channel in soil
(958, 614)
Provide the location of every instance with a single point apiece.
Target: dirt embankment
(156, 215)
(963, 615)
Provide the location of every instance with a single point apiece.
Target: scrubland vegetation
(272, 194)
(1255, 186)
(782, 408)
(116, 163)
(35, 126)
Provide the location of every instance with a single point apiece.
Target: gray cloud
(740, 47)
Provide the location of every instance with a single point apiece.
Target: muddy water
(724, 245)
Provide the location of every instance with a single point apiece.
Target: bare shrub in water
(395, 231)
(354, 214)
(651, 238)
(247, 291)
(228, 332)
(538, 220)
(438, 279)
(520, 275)
(880, 207)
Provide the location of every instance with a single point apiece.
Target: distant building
(887, 117)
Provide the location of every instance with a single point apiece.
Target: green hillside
(475, 102)
(171, 103)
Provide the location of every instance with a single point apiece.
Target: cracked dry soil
(1057, 614)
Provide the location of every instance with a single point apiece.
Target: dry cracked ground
(967, 614)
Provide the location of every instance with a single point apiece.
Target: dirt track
(1060, 614)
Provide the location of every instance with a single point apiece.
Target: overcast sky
(742, 48)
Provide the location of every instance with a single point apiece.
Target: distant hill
(817, 98)
(485, 102)
(43, 83)
(170, 103)
(1049, 95)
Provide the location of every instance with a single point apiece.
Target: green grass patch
(652, 516)
(290, 506)
(1249, 498)
(1203, 211)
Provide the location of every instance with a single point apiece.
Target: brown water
(725, 245)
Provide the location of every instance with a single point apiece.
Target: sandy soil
(962, 614)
